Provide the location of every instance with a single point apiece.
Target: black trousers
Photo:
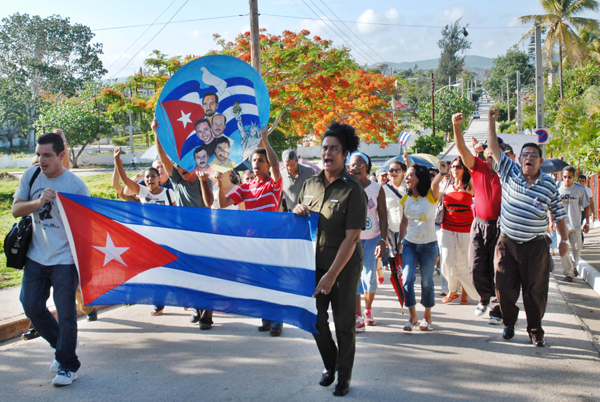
(343, 303)
(528, 265)
(484, 236)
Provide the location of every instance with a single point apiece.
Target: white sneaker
(360, 324)
(495, 321)
(481, 308)
(64, 377)
(55, 366)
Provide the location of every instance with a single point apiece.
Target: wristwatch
(384, 240)
(564, 241)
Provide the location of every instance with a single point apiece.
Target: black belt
(478, 219)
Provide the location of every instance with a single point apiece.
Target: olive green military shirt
(341, 206)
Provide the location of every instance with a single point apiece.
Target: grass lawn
(99, 185)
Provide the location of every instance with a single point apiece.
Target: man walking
(574, 197)
(522, 256)
(49, 260)
(293, 179)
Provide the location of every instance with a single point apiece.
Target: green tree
(13, 112)
(447, 103)
(453, 45)
(560, 23)
(47, 55)
(506, 66)
(81, 118)
(429, 144)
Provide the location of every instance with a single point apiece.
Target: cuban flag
(257, 264)
(404, 137)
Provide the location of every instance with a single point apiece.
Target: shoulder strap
(35, 175)
(169, 196)
(394, 190)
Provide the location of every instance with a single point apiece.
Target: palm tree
(592, 39)
(559, 23)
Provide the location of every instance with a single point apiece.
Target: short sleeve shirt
(574, 198)
(49, 242)
(146, 197)
(188, 194)
(292, 186)
(420, 213)
(341, 206)
(488, 191)
(258, 195)
(394, 209)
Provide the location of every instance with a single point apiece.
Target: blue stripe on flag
(239, 81)
(175, 296)
(230, 100)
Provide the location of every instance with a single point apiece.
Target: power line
(172, 22)
(130, 60)
(139, 37)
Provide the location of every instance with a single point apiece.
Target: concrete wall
(6, 162)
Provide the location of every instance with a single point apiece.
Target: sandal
(425, 326)
(450, 297)
(410, 325)
(464, 302)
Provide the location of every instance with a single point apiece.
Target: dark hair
(209, 93)
(261, 151)
(466, 178)
(345, 134)
(570, 169)
(234, 177)
(532, 145)
(582, 176)
(402, 165)
(51, 138)
(424, 178)
(201, 148)
(202, 120)
(152, 169)
(368, 162)
(222, 139)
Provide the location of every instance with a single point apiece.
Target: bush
(429, 144)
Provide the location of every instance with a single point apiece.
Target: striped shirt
(258, 195)
(524, 213)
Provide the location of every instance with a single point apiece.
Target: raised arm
(492, 138)
(133, 186)
(162, 155)
(207, 193)
(435, 184)
(271, 155)
(459, 140)
(406, 159)
(223, 200)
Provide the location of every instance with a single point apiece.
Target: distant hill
(474, 62)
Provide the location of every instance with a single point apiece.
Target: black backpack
(16, 242)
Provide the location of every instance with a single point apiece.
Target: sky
(376, 31)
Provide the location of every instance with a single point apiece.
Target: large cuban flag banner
(259, 264)
(225, 91)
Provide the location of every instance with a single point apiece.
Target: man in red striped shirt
(261, 194)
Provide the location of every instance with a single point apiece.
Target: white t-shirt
(215, 204)
(394, 209)
(146, 197)
(372, 229)
(589, 193)
(420, 213)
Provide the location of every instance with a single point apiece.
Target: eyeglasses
(394, 170)
(530, 155)
(458, 167)
(357, 166)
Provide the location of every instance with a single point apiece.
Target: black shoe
(93, 316)
(264, 328)
(204, 326)
(341, 388)
(29, 335)
(195, 317)
(327, 378)
(509, 332)
(276, 331)
(537, 340)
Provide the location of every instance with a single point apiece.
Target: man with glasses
(574, 198)
(522, 256)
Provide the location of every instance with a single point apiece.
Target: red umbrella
(396, 278)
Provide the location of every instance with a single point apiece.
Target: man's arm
(271, 155)
(224, 201)
(207, 194)
(561, 228)
(162, 155)
(23, 208)
(492, 138)
(586, 213)
(459, 140)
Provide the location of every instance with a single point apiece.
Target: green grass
(99, 185)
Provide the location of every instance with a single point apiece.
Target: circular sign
(542, 136)
(210, 113)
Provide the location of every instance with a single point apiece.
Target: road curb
(589, 275)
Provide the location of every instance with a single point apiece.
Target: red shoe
(449, 298)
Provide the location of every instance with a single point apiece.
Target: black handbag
(16, 242)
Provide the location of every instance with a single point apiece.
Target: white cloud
(197, 34)
(369, 18)
(454, 13)
(489, 44)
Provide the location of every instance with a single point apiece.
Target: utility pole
(131, 150)
(539, 83)
(432, 105)
(519, 112)
(508, 98)
(254, 35)
(450, 83)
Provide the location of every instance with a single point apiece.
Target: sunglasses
(394, 170)
(458, 167)
(567, 177)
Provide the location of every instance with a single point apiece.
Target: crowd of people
(483, 219)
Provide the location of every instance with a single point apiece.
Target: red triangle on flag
(182, 116)
(108, 253)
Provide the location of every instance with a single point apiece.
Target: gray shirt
(292, 186)
(49, 243)
(574, 198)
(188, 194)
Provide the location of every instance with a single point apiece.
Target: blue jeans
(273, 324)
(368, 276)
(425, 255)
(35, 291)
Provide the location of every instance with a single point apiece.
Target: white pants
(570, 264)
(455, 262)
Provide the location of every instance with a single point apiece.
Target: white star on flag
(111, 252)
(185, 118)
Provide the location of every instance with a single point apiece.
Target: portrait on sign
(210, 114)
